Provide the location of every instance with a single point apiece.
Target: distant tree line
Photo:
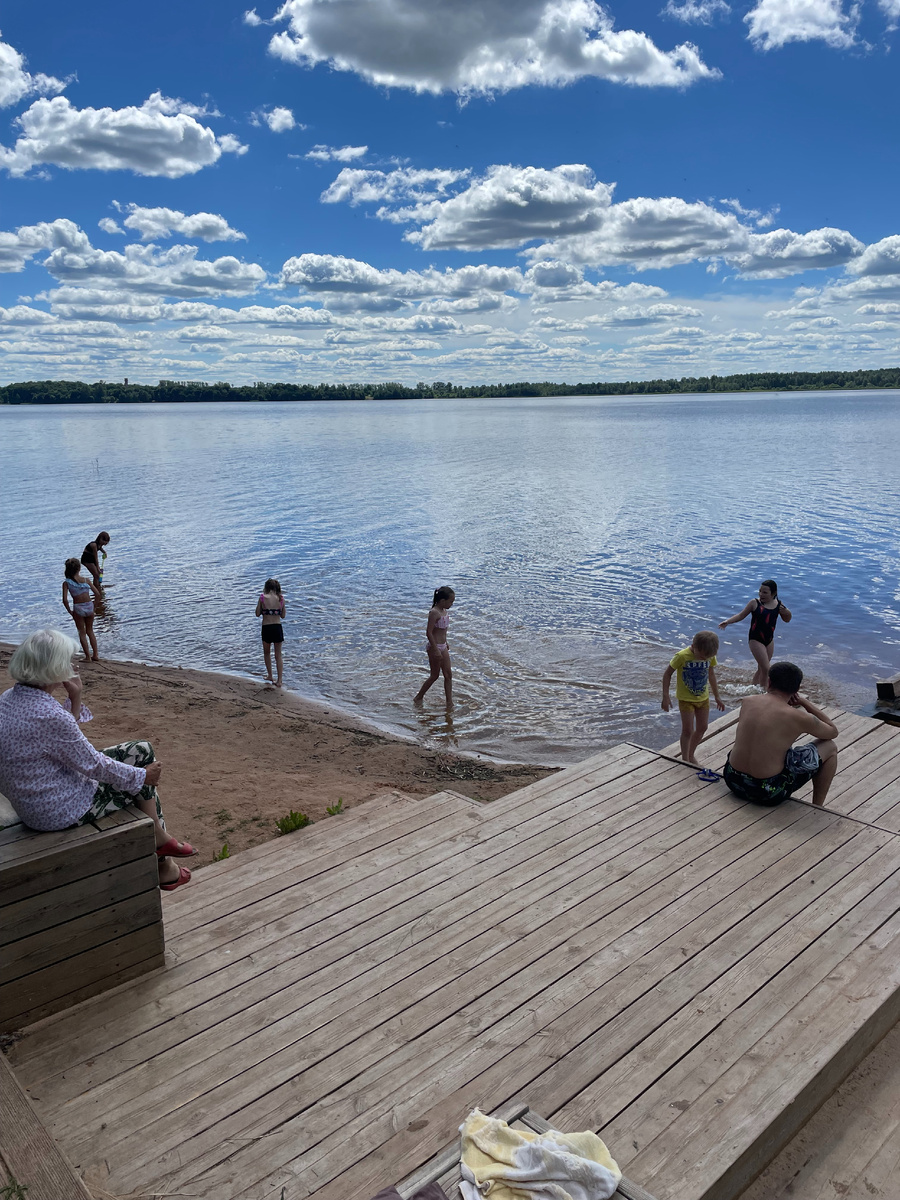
(53, 391)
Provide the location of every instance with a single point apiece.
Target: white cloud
(144, 269)
(350, 283)
(162, 137)
(16, 82)
(652, 233)
(17, 248)
(495, 45)
(337, 153)
(108, 225)
(510, 206)
(881, 258)
(358, 186)
(20, 314)
(646, 314)
(782, 252)
(891, 9)
(774, 23)
(279, 119)
(155, 223)
(696, 12)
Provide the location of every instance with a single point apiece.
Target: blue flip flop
(707, 776)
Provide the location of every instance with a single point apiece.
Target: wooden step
(31, 1156)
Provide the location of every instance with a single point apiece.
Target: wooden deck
(626, 948)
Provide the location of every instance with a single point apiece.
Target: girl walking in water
(436, 644)
(81, 592)
(270, 606)
(765, 612)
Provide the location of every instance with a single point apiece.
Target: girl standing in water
(270, 606)
(765, 612)
(81, 592)
(436, 644)
(91, 557)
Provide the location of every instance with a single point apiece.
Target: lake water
(587, 540)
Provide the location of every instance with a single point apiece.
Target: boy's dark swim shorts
(800, 764)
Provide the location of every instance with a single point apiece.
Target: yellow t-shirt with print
(693, 676)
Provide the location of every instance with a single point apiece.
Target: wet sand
(237, 755)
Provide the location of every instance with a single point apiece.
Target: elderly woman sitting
(52, 775)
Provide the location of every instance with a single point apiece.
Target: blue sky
(443, 189)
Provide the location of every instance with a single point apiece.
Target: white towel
(511, 1164)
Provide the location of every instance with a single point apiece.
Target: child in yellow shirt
(696, 669)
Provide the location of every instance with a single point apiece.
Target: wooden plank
(651, 1118)
(44, 992)
(793, 1070)
(332, 865)
(57, 945)
(269, 1029)
(377, 1045)
(851, 1147)
(489, 1004)
(270, 877)
(631, 1097)
(59, 906)
(420, 1093)
(361, 822)
(47, 867)
(19, 841)
(341, 934)
(460, 819)
(491, 883)
(28, 1150)
(419, 1090)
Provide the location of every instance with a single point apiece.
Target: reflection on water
(586, 541)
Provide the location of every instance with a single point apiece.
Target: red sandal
(184, 876)
(175, 849)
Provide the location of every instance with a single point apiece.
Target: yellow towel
(511, 1164)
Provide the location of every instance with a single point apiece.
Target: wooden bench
(80, 913)
(444, 1168)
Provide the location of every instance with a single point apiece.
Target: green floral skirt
(107, 798)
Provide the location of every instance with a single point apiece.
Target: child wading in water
(696, 669)
(436, 644)
(82, 592)
(766, 611)
(270, 606)
(91, 558)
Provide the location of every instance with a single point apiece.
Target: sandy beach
(237, 756)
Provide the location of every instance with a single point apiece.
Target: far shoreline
(33, 393)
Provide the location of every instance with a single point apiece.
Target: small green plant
(221, 855)
(223, 816)
(335, 810)
(293, 821)
(13, 1190)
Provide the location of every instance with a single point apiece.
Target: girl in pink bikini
(436, 644)
(78, 598)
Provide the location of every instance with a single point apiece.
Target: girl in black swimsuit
(270, 606)
(765, 612)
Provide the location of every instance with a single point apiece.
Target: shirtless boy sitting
(764, 766)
